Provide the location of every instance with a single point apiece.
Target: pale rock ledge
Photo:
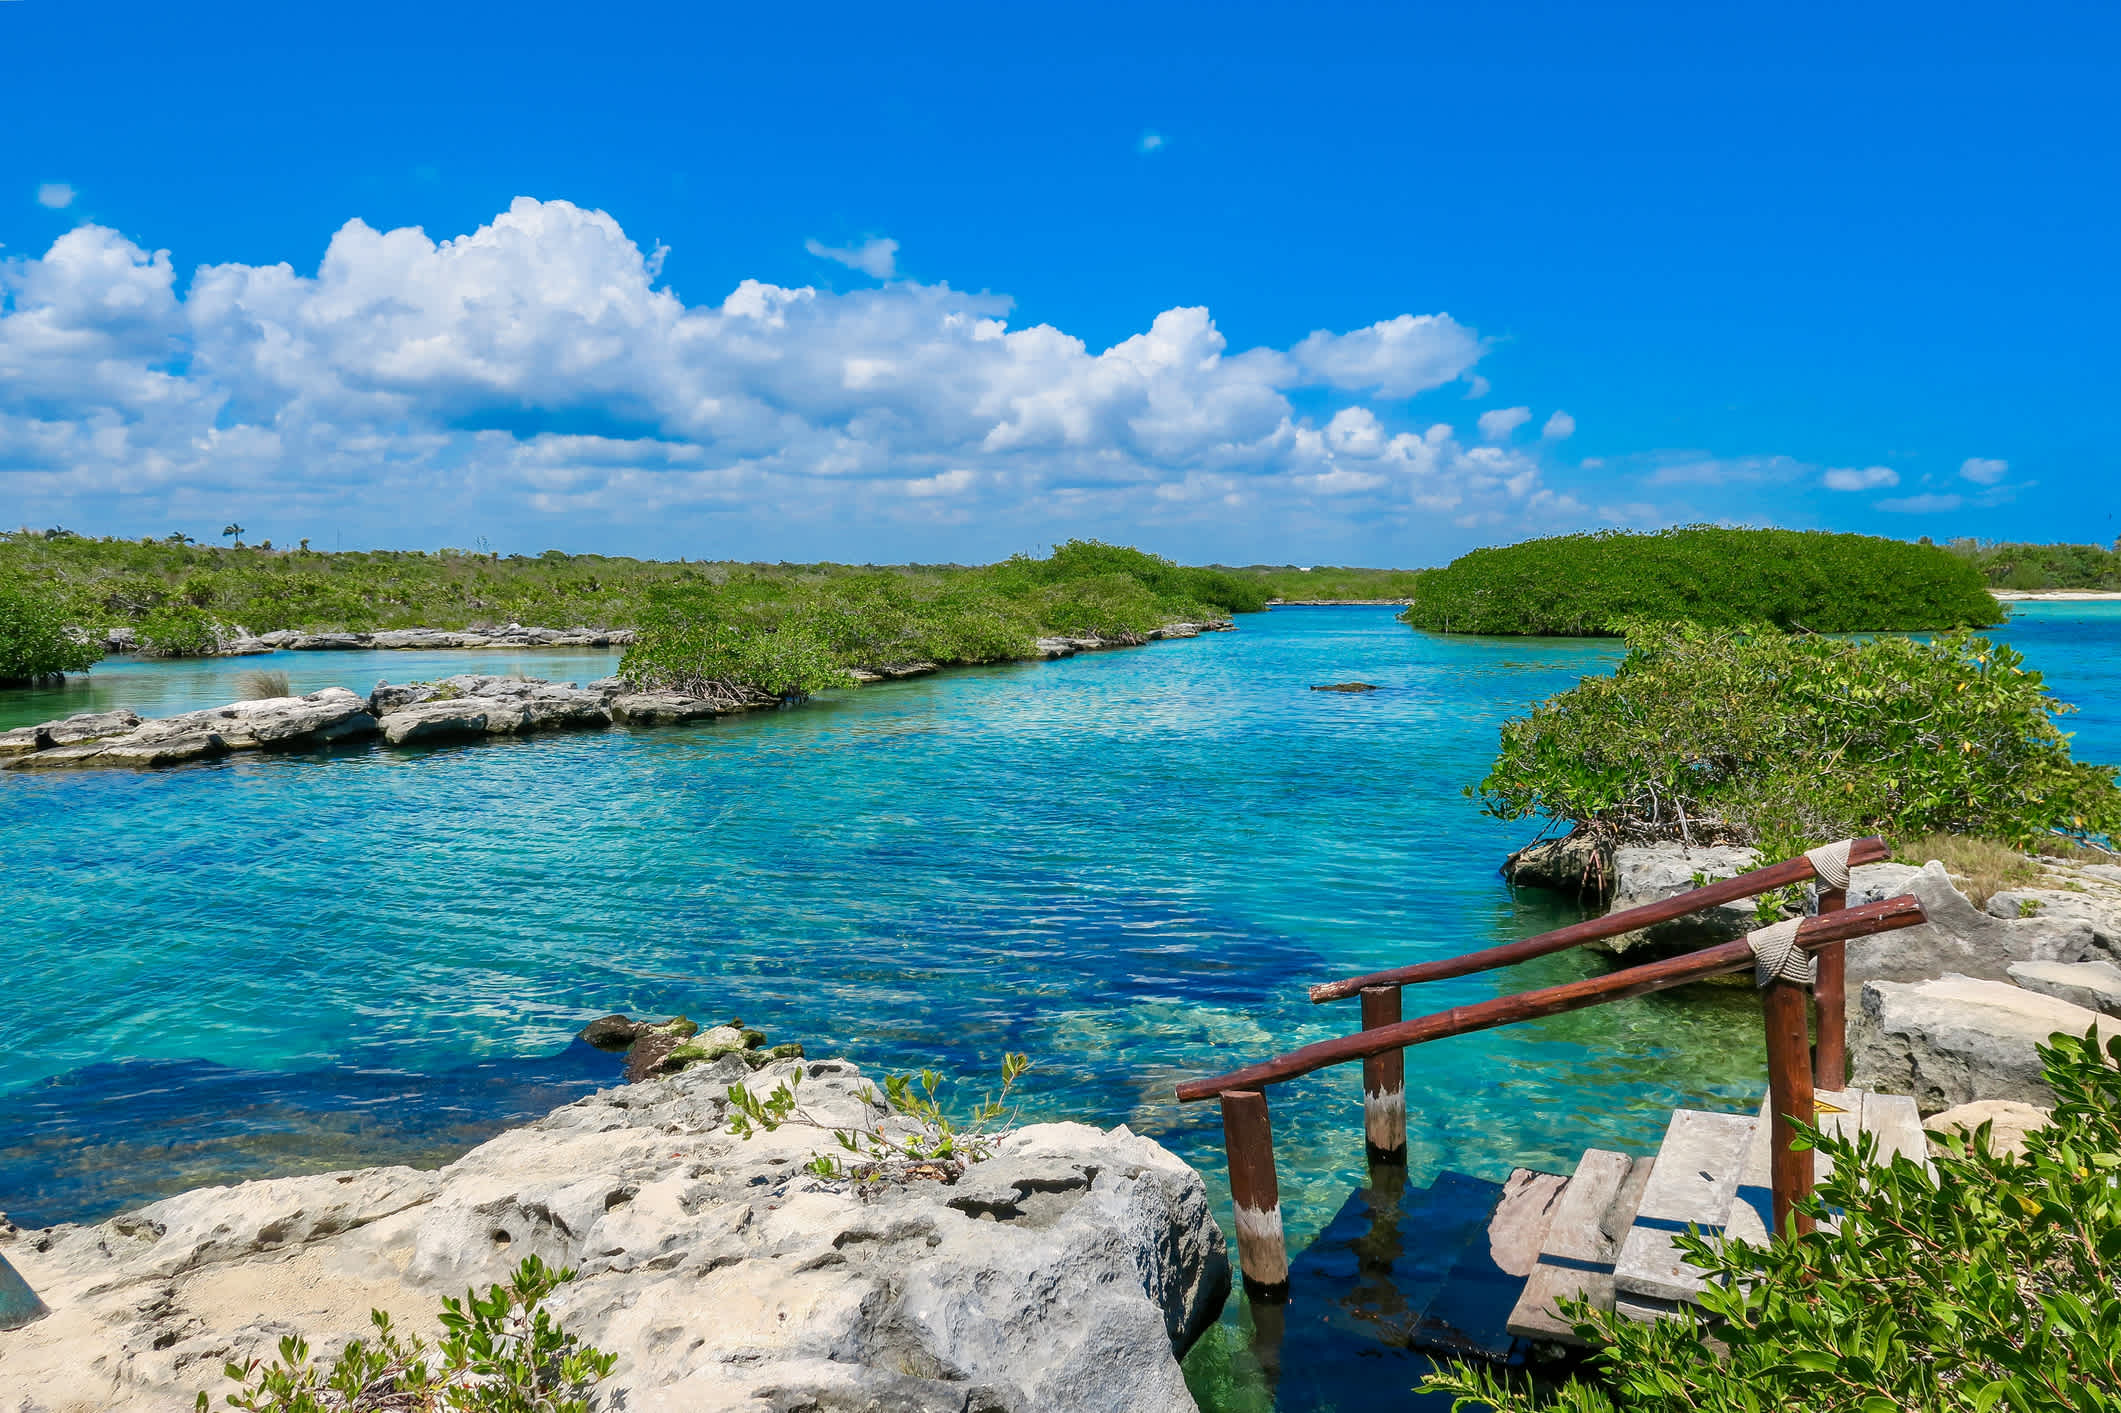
(1069, 1271)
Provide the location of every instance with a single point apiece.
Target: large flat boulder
(446, 720)
(661, 708)
(1958, 937)
(1650, 873)
(1067, 1271)
(2096, 986)
(1952, 1040)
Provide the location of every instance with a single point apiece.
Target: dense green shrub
(1993, 1285)
(753, 635)
(1780, 740)
(169, 591)
(1329, 582)
(500, 1353)
(177, 630)
(34, 641)
(2017, 566)
(1577, 585)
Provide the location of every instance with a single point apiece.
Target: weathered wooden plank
(1694, 1182)
(1576, 1260)
(1523, 1215)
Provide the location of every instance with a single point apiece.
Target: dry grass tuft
(258, 683)
(1981, 867)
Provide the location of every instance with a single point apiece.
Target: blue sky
(1235, 282)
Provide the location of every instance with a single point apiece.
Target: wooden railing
(1384, 1037)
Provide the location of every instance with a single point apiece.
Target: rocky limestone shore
(413, 713)
(1068, 1271)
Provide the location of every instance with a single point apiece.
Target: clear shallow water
(1128, 864)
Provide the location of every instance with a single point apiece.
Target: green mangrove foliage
(1755, 736)
(34, 637)
(1578, 585)
(1331, 582)
(2029, 567)
(1993, 1285)
(174, 595)
(783, 636)
(500, 1353)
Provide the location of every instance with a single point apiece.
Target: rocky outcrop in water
(270, 723)
(515, 635)
(1068, 1271)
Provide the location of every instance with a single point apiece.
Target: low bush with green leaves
(34, 639)
(1993, 1284)
(928, 1134)
(1589, 585)
(499, 1353)
(1755, 736)
(750, 637)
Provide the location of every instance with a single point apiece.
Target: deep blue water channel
(1128, 864)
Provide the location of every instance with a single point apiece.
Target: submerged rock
(1347, 687)
(1067, 1272)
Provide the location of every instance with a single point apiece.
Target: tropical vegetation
(786, 637)
(500, 1353)
(1992, 1283)
(1756, 736)
(34, 639)
(2034, 567)
(1577, 585)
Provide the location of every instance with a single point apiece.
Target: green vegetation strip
(1577, 585)
(780, 629)
(1777, 740)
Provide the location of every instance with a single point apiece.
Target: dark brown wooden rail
(1814, 933)
(1745, 885)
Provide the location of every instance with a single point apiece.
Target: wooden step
(1842, 1113)
(1694, 1183)
(1576, 1260)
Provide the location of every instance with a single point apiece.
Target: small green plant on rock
(500, 1353)
(935, 1137)
(1994, 1284)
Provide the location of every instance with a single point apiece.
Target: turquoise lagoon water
(1127, 864)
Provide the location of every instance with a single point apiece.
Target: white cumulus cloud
(1559, 427)
(1984, 470)
(876, 257)
(57, 195)
(1496, 426)
(1868, 478)
(535, 366)
(1927, 504)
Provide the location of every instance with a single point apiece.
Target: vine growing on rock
(500, 1353)
(1754, 736)
(930, 1134)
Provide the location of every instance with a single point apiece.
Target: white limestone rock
(1650, 873)
(1954, 1039)
(2096, 986)
(1067, 1272)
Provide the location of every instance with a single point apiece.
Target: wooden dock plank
(1694, 1183)
(1576, 1260)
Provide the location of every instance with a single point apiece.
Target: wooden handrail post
(1789, 1097)
(1384, 1084)
(1262, 1253)
(1830, 1001)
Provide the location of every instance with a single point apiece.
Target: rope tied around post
(1777, 955)
(1831, 863)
